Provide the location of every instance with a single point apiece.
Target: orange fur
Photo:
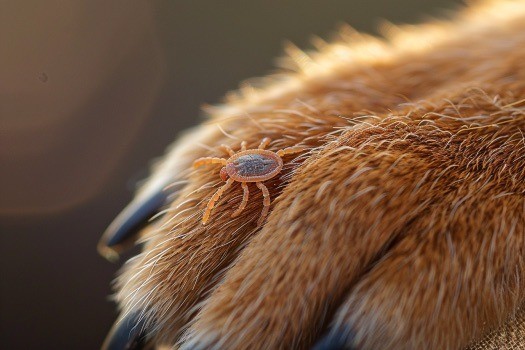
(404, 222)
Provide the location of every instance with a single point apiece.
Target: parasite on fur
(404, 229)
(247, 165)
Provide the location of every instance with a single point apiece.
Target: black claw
(128, 334)
(131, 220)
(134, 216)
(336, 340)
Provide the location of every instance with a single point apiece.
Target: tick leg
(245, 195)
(209, 160)
(266, 202)
(290, 150)
(243, 146)
(227, 149)
(214, 200)
(265, 142)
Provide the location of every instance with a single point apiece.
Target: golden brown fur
(403, 223)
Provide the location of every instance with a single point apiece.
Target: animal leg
(265, 142)
(227, 149)
(290, 150)
(245, 195)
(266, 202)
(208, 160)
(214, 200)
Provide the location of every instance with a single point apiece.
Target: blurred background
(90, 93)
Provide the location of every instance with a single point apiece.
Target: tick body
(253, 165)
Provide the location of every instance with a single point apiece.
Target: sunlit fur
(403, 222)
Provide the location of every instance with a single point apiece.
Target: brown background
(90, 92)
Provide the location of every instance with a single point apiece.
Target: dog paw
(399, 223)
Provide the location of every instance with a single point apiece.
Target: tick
(252, 165)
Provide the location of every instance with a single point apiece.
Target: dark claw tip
(130, 221)
(336, 340)
(127, 334)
